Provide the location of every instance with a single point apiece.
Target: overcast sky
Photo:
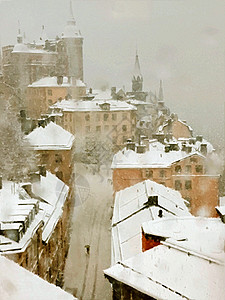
(181, 42)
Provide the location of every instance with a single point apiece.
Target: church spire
(137, 69)
(19, 36)
(161, 91)
(137, 80)
(71, 20)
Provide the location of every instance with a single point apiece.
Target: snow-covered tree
(16, 158)
(94, 150)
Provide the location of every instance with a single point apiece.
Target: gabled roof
(130, 211)
(51, 137)
(18, 283)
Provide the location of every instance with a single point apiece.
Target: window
(199, 169)
(114, 128)
(106, 127)
(178, 185)
(106, 116)
(114, 117)
(188, 169)
(58, 158)
(124, 128)
(162, 173)
(59, 174)
(50, 92)
(149, 173)
(98, 117)
(193, 159)
(188, 185)
(178, 169)
(87, 117)
(87, 129)
(98, 128)
(124, 116)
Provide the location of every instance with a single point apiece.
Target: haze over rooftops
(51, 137)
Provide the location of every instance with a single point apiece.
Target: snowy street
(89, 252)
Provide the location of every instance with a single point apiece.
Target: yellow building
(48, 90)
(112, 119)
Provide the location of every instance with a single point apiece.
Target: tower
(137, 79)
(160, 91)
(73, 48)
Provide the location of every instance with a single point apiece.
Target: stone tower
(73, 48)
(137, 79)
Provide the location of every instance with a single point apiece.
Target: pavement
(90, 248)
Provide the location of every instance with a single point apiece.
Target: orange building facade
(188, 176)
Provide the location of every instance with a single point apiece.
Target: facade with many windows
(114, 120)
(182, 171)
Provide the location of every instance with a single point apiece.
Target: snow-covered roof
(54, 192)
(18, 283)
(204, 236)
(93, 105)
(20, 47)
(51, 137)
(150, 159)
(51, 82)
(166, 272)
(130, 211)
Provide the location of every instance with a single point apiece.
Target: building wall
(178, 130)
(58, 162)
(125, 292)
(187, 176)
(26, 67)
(48, 260)
(38, 99)
(115, 126)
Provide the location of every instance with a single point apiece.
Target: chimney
(42, 170)
(141, 148)
(203, 149)
(35, 177)
(192, 141)
(152, 201)
(167, 148)
(28, 188)
(188, 149)
(130, 145)
(0, 182)
(113, 91)
(60, 80)
(199, 138)
(184, 147)
(90, 91)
